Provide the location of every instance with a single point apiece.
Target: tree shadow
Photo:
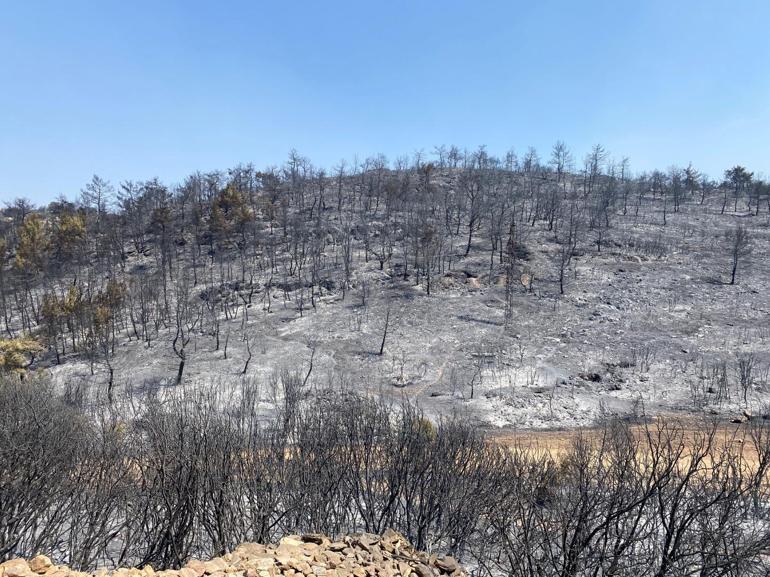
(713, 280)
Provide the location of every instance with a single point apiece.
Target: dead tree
(739, 245)
(568, 245)
(385, 330)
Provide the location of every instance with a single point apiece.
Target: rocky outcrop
(359, 555)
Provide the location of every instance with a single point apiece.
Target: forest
(458, 277)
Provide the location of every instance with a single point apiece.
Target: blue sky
(135, 89)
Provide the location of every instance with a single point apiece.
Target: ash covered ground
(647, 325)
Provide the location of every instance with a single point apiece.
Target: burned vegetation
(161, 482)
(468, 281)
(252, 354)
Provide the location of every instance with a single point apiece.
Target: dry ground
(640, 330)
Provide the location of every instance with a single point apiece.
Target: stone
(187, 572)
(15, 568)
(447, 564)
(423, 570)
(251, 549)
(214, 565)
(316, 538)
(291, 540)
(198, 566)
(40, 564)
(310, 555)
(333, 559)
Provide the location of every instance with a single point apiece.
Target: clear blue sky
(136, 89)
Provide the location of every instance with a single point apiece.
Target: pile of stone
(359, 555)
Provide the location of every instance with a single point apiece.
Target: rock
(40, 564)
(423, 570)
(447, 564)
(367, 541)
(392, 536)
(311, 555)
(291, 541)
(214, 565)
(314, 538)
(250, 549)
(333, 559)
(15, 568)
(198, 566)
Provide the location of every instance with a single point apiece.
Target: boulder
(447, 564)
(40, 564)
(197, 566)
(15, 568)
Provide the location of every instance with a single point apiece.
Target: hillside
(523, 294)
